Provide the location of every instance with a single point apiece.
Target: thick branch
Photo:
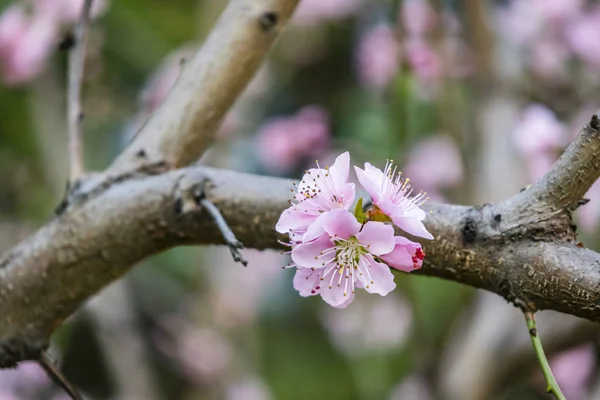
(183, 127)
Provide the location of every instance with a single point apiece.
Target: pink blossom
(549, 58)
(521, 22)
(248, 389)
(318, 11)
(417, 17)
(538, 131)
(413, 387)
(377, 57)
(203, 353)
(68, 11)
(319, 191)
(445, 172)
(285, 141)
(573, 369)
(391, 197)
(556, 11)
(25, 56)
(406, 256)
(340, 252)
(582, 37)
(423, 60)
(27, 379)
(237, 295)
(370, 325)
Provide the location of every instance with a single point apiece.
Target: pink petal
(370, 179)
(401, 257)
(315, 229)
(308, 255)
(347, 194)
(340, 169)
(413, 226)
(340, 223)
(378, 236)
(349, 299)
(292, 220)
(334, 295)
(306, 281)
(382, 277)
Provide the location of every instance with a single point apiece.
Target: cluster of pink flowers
(28, 36)
(336, 251)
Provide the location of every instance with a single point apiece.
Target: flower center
(348, 265)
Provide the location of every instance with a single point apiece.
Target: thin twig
(74, 113)
(52, 370)
(228, 235)
(552, 385)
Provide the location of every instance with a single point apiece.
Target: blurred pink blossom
(248, 389)
(553, 11)
(538, 136)
(318, 11)
(203, 353)
(538, 131)
(549, 59)
(284, 142)
(423, 60)
(238, 294)
(589, 214)
(370, 325)
(377, 56)
(68, 11)
(24, 381)
(413, 387)
(27, 42)
(445, 172)
(582, 37)
(28, 39)
(417, 17)
(573, 369)
(521, 21)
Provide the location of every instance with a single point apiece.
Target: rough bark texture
(523, 249)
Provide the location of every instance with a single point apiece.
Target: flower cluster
(336, 251)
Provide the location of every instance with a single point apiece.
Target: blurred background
(474, 99)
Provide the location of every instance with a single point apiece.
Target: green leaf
(358, 211)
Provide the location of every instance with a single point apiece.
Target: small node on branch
(193, 196)
(67, 42)
(49, 365)
(469, 230)
(268, 20)
(595, 122)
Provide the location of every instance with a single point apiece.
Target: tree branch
(183, 127)
(528, 256)
(74, 113)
